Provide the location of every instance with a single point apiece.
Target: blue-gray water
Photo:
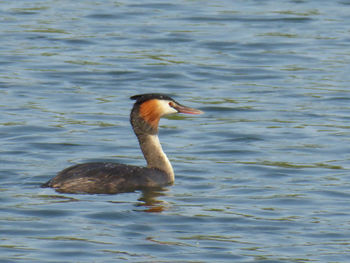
(262, 176)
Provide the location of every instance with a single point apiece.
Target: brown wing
(106, 178)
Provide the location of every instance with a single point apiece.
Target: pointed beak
(187, 110)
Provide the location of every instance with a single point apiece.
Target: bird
(114, 178)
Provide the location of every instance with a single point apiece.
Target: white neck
(154, 155)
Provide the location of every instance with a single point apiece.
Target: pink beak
(187, 110)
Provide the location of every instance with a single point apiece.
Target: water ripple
(262, 176)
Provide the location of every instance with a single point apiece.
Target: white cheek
(165, 108)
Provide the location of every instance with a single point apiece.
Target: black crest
(150, 96)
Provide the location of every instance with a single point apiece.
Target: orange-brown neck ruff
(150, 112)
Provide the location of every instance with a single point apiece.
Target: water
(262, 176)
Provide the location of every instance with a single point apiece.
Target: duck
(113, 178)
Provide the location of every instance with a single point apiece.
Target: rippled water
(262, 176)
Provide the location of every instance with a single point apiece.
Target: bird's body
(110, 178)
(107, 178)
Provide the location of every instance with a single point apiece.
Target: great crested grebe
(111, 178)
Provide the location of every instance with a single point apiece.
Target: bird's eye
(171, 104)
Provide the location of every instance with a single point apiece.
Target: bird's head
(149, 108)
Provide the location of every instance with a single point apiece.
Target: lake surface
(262, 176)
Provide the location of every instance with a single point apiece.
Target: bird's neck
(154, 155)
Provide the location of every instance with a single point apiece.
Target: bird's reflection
(149, 200)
